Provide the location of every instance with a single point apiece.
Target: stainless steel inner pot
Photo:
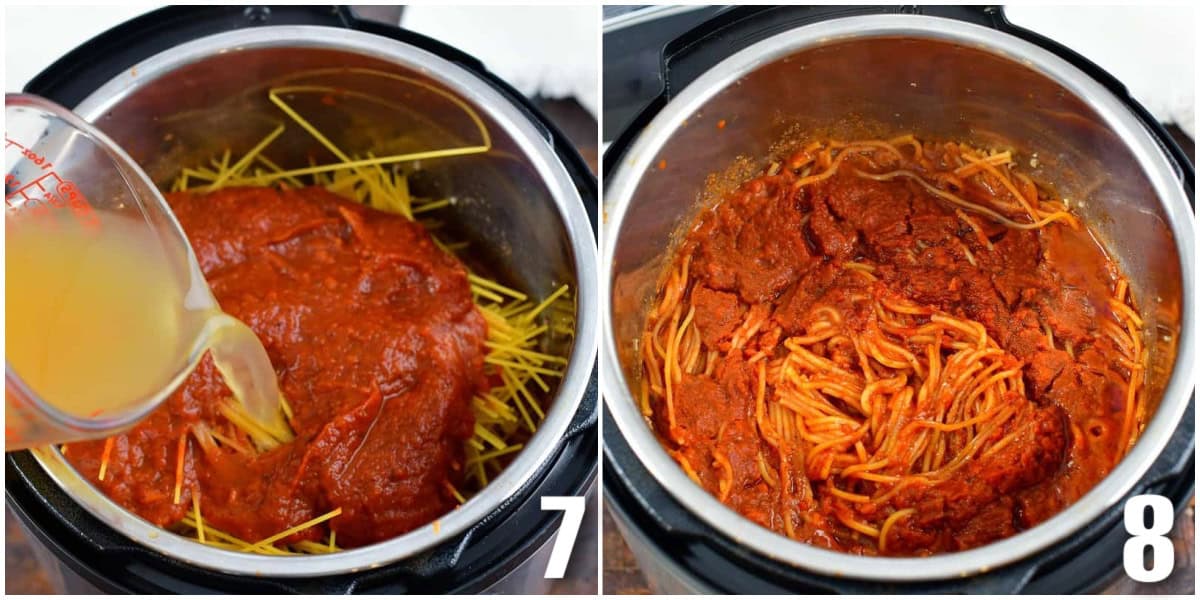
(516, 204)
(893, 74)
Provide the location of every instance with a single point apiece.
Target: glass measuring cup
(107, 311)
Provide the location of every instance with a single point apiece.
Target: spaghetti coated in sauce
(893, 347)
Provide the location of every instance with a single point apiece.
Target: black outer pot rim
(685, 57)
(1086, 563)
(470, 562)
(708, 557)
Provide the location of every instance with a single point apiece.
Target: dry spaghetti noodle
(518, 325)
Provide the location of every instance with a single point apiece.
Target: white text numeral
(1162, 552)
(572, 508)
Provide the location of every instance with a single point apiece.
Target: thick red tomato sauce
(782, 252)
(378, 348)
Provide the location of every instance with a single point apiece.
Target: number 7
(572, 508)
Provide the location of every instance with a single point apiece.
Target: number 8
(1162, 552)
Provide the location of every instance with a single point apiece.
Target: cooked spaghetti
(409, 380)
(893, 347)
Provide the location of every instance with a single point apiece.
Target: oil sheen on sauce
(107, 317)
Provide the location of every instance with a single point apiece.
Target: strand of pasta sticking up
(862, 398)
(518, 325)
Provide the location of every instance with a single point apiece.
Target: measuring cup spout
(243, 363)
(105, 300)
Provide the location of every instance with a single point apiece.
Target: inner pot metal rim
(564, 404)
(616, 389)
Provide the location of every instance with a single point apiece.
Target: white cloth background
(1151, 49)
(552, 50)
(548, 50)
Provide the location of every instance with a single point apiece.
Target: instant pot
(939, 72)
(179, 85)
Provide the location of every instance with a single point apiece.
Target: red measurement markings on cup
(47, 192)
